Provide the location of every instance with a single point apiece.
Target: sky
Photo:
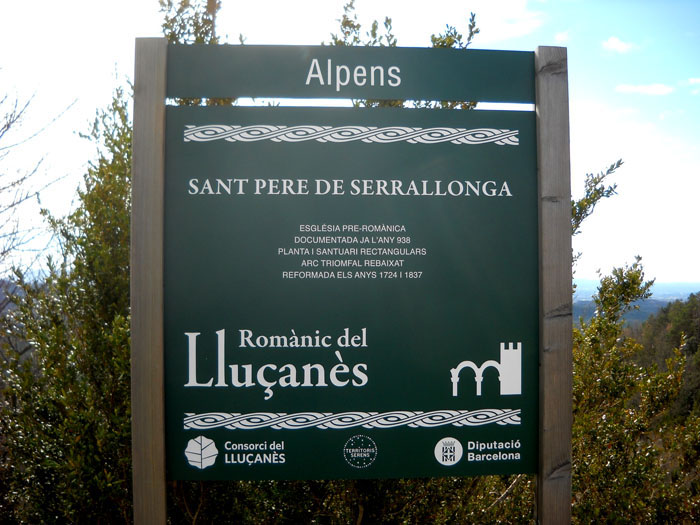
(634, 92)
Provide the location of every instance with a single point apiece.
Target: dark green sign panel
(350, 293)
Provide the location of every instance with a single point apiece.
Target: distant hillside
(586, 310)
(585, 288)
(662, 294)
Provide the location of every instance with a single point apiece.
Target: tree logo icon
(201, 452)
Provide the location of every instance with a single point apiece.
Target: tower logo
(509, 371)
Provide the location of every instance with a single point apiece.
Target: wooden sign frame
(554, 195)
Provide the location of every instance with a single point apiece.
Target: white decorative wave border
(343, 420)
(340, 134)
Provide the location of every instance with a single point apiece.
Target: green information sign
(350, 293)
(322, 293)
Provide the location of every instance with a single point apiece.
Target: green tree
(677, 325)
(65, 410)
(631, 463)
(190, 21)
(618, 475)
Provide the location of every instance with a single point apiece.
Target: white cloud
(615, 44)
(671, 114)
(694, 82)
(561, 38)
(504, 20)
(656, 188)
(312, 21)
(648, 89)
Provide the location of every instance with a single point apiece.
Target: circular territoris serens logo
(360, 451)
(448, 451)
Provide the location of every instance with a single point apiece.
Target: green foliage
(351, 35)
(595, 191)
(448, 500)
(451, 38)
(622, 451)
(65, 410)
(192, 22)
(351, 31)
(676, 325)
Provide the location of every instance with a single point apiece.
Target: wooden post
(148, 163)
(554, 186)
